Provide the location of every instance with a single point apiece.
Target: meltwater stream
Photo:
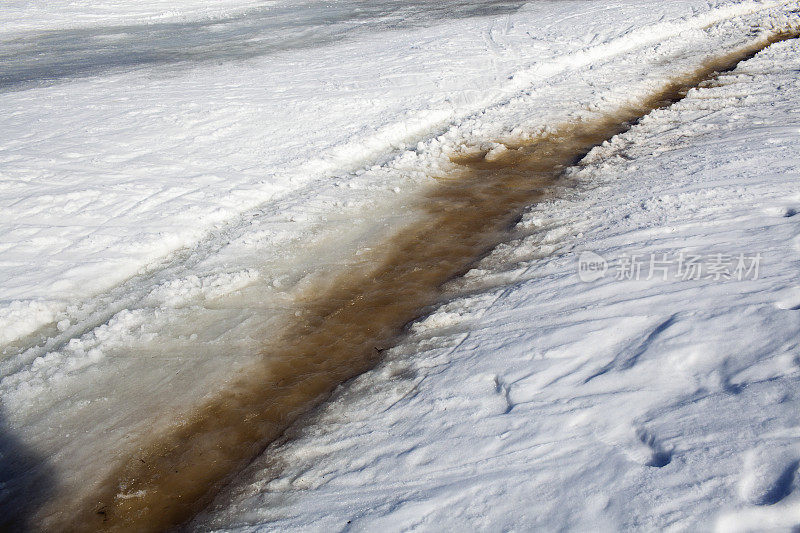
(341, 327)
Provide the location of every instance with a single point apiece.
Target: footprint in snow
(646, 449)
(789, 299)
(782, 211)
(769, 475)
(656, 454)
(503, 389)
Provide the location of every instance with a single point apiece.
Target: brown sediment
(341, 330)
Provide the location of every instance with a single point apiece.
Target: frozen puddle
(340, 327)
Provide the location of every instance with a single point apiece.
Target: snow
(32, 15)
(172, 174)
(538, 401)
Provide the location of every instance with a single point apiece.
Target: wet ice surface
(40, 58)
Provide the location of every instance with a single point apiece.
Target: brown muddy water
(342, 327)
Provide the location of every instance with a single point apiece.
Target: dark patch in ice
(25, 481)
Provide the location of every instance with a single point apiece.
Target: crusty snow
(161, 204)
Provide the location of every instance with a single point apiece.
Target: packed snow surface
(172, 173)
